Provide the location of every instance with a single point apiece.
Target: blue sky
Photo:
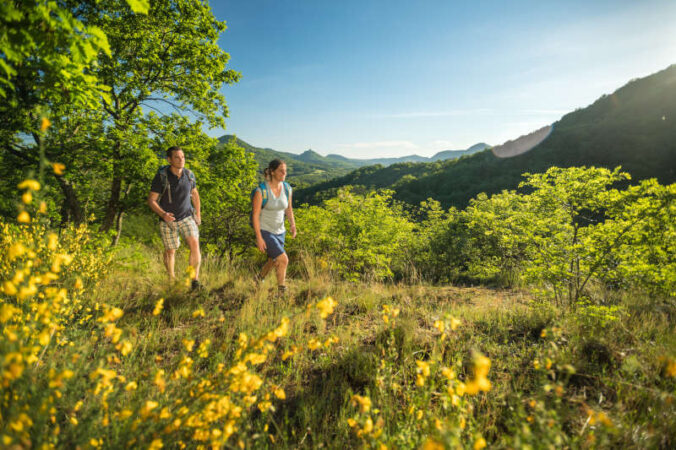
(390, 78)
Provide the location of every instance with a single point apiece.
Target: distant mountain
(441, 156)
(452, 154)
(304, 169)
(310, 167)
(635, 127)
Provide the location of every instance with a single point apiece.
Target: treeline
(567, 231)
(633, 128)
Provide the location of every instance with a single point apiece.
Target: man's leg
(169, 258)
(281, 262)
(266, 268)
(195, 255)
(171, 243)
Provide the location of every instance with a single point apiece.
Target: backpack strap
(164, 178)
(264, 193)
(191, 176)
(287, 189)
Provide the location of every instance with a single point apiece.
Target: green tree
(224, 191)
(360, 236)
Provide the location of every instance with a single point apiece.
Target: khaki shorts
(170, 232)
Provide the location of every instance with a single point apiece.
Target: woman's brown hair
(274, 165)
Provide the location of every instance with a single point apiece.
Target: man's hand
(260, 243)
(168, 217)
(198, 219)
(293, 231)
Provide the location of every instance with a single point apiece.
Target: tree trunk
(118, 227)
(113, 204)
(71, 204)
(120, 215)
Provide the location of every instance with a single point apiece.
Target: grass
(619, 367)
(393, 364)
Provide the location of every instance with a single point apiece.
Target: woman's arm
(289, 216)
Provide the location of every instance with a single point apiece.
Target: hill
(304, 169)
(634, 127)
(310, 167)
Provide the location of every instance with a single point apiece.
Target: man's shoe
(281, 291)
(195, 285)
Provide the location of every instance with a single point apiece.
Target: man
(172, 191)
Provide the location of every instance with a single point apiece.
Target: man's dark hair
(171, 150)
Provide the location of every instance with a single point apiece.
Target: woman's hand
(293, 230)
(260, 243)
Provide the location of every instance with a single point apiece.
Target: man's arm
(195, 196)
(157, 209)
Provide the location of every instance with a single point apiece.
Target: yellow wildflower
(131, 386)
(9, 288)
(27, 197)
(149, 406)
(363, 401)
(29, 184)
(188, 344)
(158, 307)
(432, 444)
(314, 344)
(23, 217)
(479, 443)
(439, 325)
(448, 373)
(423, 368)
(159, 380)
(44, 124)
(16, 250)
(58, 168)
(279, 393)
(419, 380)
(156, 444)
(455, 323)
(199, 312)
(326, 307)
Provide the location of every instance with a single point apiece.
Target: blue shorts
(274, 243)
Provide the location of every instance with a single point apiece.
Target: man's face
(177, 159)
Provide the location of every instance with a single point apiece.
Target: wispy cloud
(408, 145)
(470, 112)
(423, 114)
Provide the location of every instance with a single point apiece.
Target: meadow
(98, 351)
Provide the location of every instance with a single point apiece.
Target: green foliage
(167, 58)
(224, 191)
(571, 230)
(359, 236)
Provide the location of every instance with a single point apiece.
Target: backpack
(263, 187)
(164, 179)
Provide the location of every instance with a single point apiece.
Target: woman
(271, 202)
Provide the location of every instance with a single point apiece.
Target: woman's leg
(281, 262)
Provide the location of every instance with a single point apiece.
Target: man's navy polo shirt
(180, 205)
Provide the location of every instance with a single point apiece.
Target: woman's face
(279, 174)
